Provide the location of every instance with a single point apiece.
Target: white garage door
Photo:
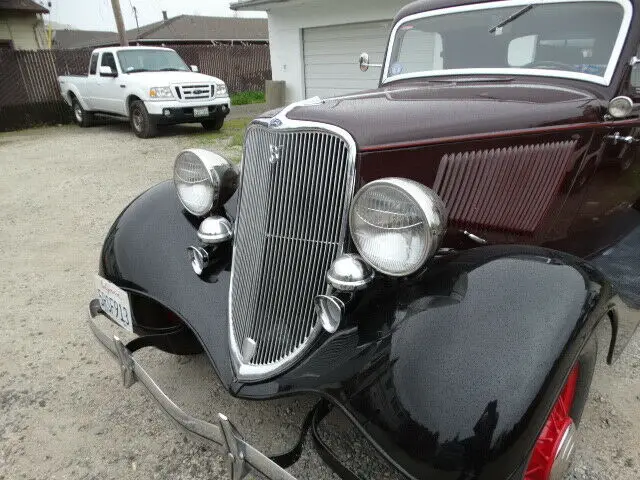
(331, 57)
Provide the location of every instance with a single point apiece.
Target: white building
(315, 44)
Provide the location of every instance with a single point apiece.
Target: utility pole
(119, 22)
(135, 14)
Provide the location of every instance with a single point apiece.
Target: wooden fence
(30, 95)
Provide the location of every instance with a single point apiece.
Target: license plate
(201, 112)
(114, 302)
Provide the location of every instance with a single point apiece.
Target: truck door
(109, 92)
(89, 90)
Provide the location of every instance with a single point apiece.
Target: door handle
(616, 138)
(123, 86)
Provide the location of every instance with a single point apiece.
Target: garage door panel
(331, 57)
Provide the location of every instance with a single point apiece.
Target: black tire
(184, 344)
(82, 117)
(141, 122)
(213, 125)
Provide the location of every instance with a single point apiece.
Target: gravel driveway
(63, 411)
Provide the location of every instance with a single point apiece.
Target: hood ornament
(275, 123)
(274, 153)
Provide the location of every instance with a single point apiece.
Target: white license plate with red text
(114, 302)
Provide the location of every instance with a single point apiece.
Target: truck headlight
(221, 89)
(203, 180)
(397, 225)
(160, 92)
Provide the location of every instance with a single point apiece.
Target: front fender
(475, 354)
(145, 253)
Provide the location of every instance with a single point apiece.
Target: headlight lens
(160, 92)
(203, 180)
(221, 89)
(397, 224)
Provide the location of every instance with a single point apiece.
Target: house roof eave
(256, 5)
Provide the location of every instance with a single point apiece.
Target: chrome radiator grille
(296, 189)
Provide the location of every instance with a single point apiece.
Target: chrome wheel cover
(137, 119)
(77, 110)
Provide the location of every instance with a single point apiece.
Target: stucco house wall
(25, 30)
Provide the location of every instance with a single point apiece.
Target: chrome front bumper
(242, 458)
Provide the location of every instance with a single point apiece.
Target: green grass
(232, 131)
(245, 98)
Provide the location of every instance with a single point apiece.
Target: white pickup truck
(150, 86)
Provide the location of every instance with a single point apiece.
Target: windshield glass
(144, 60)
(566, 39)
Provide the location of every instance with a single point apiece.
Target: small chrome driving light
(621, 107)
(199, 258)
(214, 230)
(349, 273)
(203, 180)
(329, 310)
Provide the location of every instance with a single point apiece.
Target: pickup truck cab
(150, 86)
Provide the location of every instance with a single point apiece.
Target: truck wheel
(553, 452)
(141, 123)
(213, 125)
(80, 115)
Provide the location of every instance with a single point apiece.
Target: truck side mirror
(364, 62)
(194, 68)
(106, 71)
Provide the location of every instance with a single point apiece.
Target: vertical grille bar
(289, 230)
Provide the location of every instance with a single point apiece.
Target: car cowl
(409, 112)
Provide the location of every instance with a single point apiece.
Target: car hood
(159, 79)
(415, 112)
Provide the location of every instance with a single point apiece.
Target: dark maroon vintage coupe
(431, 258)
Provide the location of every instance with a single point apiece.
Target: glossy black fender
(471, 358)
(145, 253)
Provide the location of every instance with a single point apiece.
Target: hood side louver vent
(505, 189)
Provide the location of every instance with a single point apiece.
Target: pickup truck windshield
(579, 40)
(144, 60)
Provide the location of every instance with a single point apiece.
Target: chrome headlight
(397, 225)
(221, 89)
(203, 180)
(160, 92)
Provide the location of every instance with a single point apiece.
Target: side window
(109, 61)
(93, 65)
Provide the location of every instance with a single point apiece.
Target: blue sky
(98, 15)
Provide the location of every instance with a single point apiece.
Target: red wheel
(554, 449)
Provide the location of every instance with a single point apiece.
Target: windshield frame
(151, 49)
(511, 71)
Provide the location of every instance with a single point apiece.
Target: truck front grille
(195, 92)
(296, 189)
